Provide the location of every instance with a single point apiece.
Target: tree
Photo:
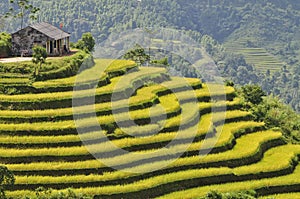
(137, 54)
(6, 178)
(39, 57)
(252, 93)
(5, 44)
(275, 114)
(86, 43)
(24, 9)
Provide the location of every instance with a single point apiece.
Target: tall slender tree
(22, 9)
(39, 57)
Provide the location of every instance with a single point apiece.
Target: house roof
(50, 30)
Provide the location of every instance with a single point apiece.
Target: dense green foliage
(24, 68)
(38, 57)
(67, 66)
(86, 43)
(272, 111)
(209, 17)
(137, 54)
(278, 115)
(5, 44)
(252, 94)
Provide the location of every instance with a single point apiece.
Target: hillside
(264, 32)
(259, 57)
(39, 138)
(270, 24)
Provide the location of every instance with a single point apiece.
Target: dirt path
(15, 59)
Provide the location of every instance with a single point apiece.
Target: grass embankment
(49, 153)
(259, 57)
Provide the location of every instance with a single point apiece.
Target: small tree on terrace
(5, 44)
(253, 93)
(87, 42)
(39, 57)
(137, 54)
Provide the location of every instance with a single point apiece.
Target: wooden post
(47, 47)
(68, 43)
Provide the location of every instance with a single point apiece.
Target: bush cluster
(5, 44)
(71, 66)
(20, 67)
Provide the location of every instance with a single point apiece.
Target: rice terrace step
(39, 142)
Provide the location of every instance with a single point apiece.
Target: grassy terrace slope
(40, 144)
(259, 57)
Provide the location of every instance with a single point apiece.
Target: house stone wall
(25, 39)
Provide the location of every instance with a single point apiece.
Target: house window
(54, 44)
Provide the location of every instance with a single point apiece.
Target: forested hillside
(264, 32)
(270, 20)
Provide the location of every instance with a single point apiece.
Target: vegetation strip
(173, 177)
(138, 100)
(232, 114)
(86, 165)
(283, 182)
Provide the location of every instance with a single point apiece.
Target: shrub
(252, 93)
(39, 57)
(229, 83)
(137, 54)
(5, 44)
(278, 115)
(71, 66)
(86, 43)
(20, 67)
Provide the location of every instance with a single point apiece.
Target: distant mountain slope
(271, 29)
(271, 24)
(219, 19)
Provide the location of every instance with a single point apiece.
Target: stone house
(55, 40)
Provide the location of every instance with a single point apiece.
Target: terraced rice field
(218, 145)
(259, 57)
